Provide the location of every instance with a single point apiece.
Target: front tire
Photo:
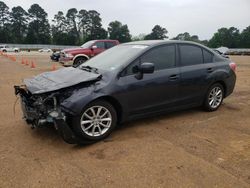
(78, 61)
(214, 97)
(96, 121)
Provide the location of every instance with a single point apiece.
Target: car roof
(158, 42)
(105, 40)
(152, 43)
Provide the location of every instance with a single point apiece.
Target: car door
(99, 47)
(156, 91)
(193, 73)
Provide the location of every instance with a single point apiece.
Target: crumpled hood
(62, 78)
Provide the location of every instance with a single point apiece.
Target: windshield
(87, 44)
(115, 57)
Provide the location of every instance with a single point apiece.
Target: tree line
(78, 26)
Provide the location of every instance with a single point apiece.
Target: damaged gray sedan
(129, 81)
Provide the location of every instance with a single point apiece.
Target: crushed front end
(42, 97)
(43, 109)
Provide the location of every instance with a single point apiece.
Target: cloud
(199, 17)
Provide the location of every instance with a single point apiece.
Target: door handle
(173, 77)
(209, 70)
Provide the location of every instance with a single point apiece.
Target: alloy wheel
(215, 97)
(96, 121)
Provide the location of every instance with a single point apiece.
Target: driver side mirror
(147, 68)
(93, 47)
(144, 68)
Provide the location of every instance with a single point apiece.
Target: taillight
(233, 66)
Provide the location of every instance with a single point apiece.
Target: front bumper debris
(67, 133)
(55, 116)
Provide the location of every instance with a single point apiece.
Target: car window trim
(203, 49)
(154, 47)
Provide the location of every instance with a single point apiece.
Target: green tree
(183, 36)
(157, 33)
(119, 32)
(19, 21)
(187, 37)
(94, 27)
(39, 28)
(225, 37)
(5, 29)
(59, 29)
(72, 28)
(83, 22)
(245, 38)
(139, 37)
(4, 13)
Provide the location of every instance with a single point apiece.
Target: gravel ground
(184, 149)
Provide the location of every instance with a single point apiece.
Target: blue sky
(199, 17)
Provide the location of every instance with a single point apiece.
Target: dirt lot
(184, 149)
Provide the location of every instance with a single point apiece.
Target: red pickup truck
(77, 56)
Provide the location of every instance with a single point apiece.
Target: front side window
(87, 44)
(163, 57)
(190, 55)
(100, 45)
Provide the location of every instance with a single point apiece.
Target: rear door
(193, 73)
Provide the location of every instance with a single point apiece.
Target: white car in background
(5, 48)
(45, 50)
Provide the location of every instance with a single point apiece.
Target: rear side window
(109, 45)
(163, 57)
(208, 57)
(190, 55)
(100, 45)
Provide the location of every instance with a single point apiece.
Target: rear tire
(96, 121)
(78, 61)
(214, 97)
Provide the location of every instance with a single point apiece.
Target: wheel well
(115, 104)
(80, 57)
(224, 86)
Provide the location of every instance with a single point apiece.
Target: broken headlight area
(41, 109)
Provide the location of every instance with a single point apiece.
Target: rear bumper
(230, 84)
